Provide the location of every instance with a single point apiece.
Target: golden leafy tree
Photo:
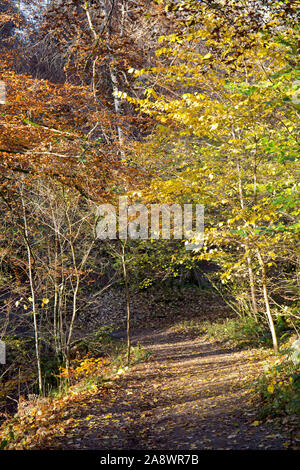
(224, 94)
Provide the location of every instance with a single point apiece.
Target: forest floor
(189, 394)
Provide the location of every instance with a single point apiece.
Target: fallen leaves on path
(191, 394)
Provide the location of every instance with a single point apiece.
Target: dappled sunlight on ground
(190, 394)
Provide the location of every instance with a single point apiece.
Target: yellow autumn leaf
(255, 423)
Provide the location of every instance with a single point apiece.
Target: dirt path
(190, 394)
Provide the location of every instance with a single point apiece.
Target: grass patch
(241, 332)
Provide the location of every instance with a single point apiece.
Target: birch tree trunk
(267, 304)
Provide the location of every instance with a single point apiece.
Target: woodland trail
(190, 394)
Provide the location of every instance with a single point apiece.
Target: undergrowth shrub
(47, 418)
(279, 386)
(241, 332)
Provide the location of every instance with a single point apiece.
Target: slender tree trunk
(127, 303)
(249, 262)
(252, 285)
(77, 269)
(55, 304)
(112, 68)
(32, 290)
(75, 292)
(114, 72)
(267, 304)
(74, 312)
(61, 309)
(117, 105)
